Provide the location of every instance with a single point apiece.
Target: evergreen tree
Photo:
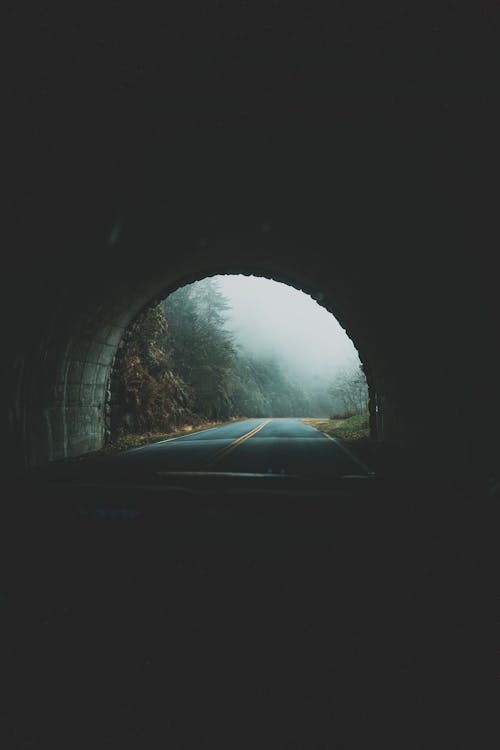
(201, 346)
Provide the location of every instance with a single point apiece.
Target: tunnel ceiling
(135, 168)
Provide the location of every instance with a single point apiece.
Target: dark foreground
(238, 612)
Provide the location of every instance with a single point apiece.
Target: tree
(201, 346)
(350, 389)
(147, 395)
(181, 363)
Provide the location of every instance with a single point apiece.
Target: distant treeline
(182, 365)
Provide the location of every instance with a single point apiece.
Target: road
(257, 446)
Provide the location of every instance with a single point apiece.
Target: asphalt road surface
(256, 446)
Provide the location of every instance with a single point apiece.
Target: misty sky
(270, 317)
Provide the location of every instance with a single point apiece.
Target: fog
(272, 319)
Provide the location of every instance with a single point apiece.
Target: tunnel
(376, 207)
(351, 152)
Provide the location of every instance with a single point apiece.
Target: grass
(350, 429)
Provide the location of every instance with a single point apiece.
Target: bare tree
(350, 389)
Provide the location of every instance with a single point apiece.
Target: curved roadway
(257, 446)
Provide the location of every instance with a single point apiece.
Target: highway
(256, 446)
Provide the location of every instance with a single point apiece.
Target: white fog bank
(270, 318)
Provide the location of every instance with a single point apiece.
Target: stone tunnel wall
(326, 218)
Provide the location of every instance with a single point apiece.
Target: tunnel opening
(74, 417)
(232, 347)
(317, 212)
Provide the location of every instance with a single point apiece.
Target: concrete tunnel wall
(327, 217)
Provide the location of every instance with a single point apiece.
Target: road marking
(351, 455)
(188, 434)
(347, 451)
(179, 437)
(342, 447)
(222, 452)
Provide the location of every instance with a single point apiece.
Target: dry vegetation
(124, 440)
(349, 429)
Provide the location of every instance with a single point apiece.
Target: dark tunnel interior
(363, 170)
(355, 159)
(378, 225)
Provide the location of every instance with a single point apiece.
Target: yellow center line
(222, 452)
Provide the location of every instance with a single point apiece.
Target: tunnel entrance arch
(301, 353)
(74, 418)
(317, 214)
